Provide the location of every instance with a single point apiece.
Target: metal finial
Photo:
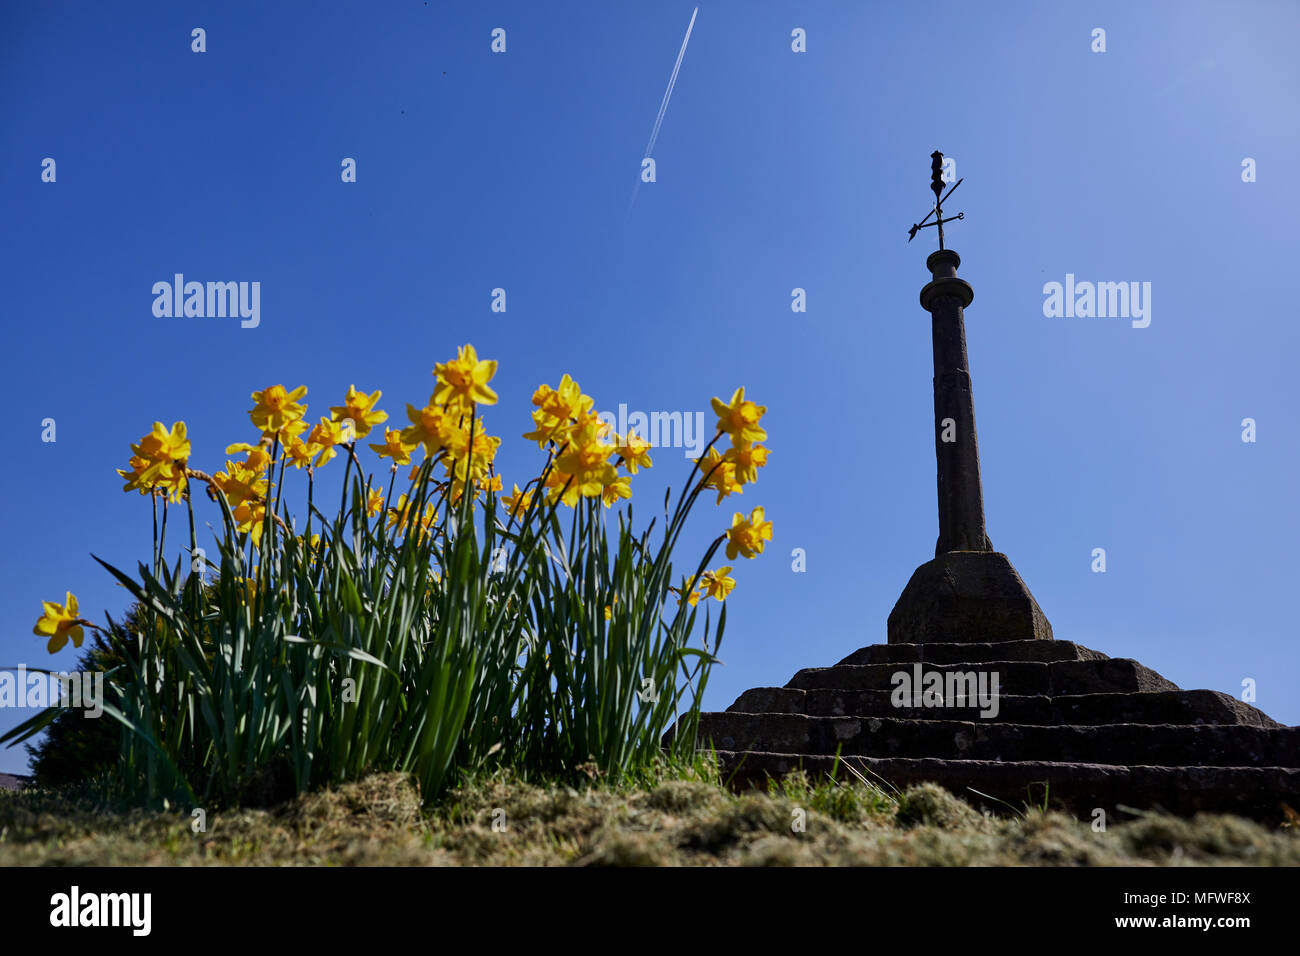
(936, 184)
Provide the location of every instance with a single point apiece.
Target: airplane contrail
(672, 81)
(663, 105)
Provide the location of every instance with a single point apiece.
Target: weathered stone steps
(1078, 788)
(1153, 707)
(1108, 675)
(1154, 744)
(973, 653)
(1090, 729)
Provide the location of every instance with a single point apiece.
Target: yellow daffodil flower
(311, 547)
(240, 483)
(717, 584)
(464, 380)
(429, 427)
(292, 430)
(692, 597)
(259, 457)
(158, 462)
(250, 516)
(633, 451)
(398, 514)
(747, 536)
(428, 518)
(564, 402)
(562, 484)
(719, 474)
(620, 487)
(739, 418)
(162, 445)
(59, 622)
(277, 408)
(586, 458)
(134, 477)
(395, 447)
(549, 429)
(326, 436)
(747, 459)
(171, 480)
(299, 453)
(360, 409)
(558, 412)
(458, 461)
(517, 503)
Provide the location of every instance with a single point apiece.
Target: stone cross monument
(969, 592)
(1059, 720)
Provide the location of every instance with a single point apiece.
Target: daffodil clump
(425, 628)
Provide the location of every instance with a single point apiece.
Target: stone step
(973, 653)
(1078, 788)
(1154, 744)
(1053, 678)
(1153, 707)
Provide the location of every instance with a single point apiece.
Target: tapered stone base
(967, 597)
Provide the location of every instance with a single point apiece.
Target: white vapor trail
(663, 105)
(672, 81)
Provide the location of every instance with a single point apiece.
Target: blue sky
(775, 170)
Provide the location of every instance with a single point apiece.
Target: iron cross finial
(936, 184)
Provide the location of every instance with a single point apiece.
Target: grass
(668, 816)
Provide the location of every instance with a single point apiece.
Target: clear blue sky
(775, 170)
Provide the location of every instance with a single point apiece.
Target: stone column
(961, 498)
(969, 593)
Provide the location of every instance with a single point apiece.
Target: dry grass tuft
(682, 820)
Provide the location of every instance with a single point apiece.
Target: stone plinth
(967, 597)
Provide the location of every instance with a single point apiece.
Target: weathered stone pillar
(956, 448)
(969, 593)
